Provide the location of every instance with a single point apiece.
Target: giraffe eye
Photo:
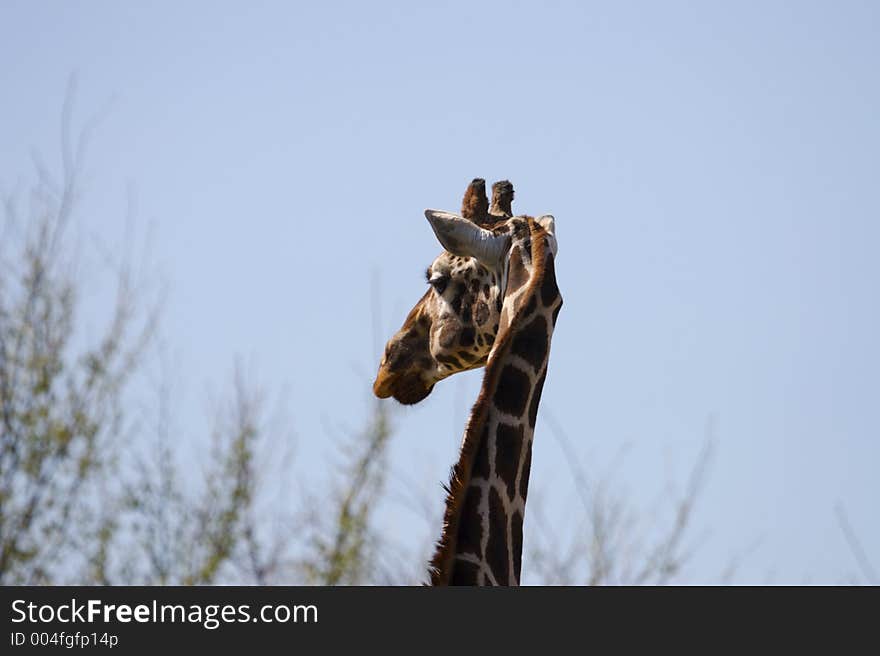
(438, 282)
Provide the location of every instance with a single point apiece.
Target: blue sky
(713, 174)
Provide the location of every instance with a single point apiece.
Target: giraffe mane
(441, 564)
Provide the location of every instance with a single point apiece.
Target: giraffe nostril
(382, 387)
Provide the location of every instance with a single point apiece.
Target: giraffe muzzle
(407, 388)
(382, 387)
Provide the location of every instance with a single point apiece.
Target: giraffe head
(453, 326)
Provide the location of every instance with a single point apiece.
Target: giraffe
(497, 277)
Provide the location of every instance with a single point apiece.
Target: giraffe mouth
(411, 393)
(407, 388)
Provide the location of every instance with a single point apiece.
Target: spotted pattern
(454, 327)
(496, 495)
(466, 325)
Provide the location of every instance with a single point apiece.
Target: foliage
(342, 543)
(89, 495)
(612, 543)
(60, 397)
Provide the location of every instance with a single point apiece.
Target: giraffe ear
(548, 223)
(464, 238)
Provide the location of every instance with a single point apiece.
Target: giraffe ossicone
(493, 301)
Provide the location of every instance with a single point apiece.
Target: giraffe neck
(481, 542)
